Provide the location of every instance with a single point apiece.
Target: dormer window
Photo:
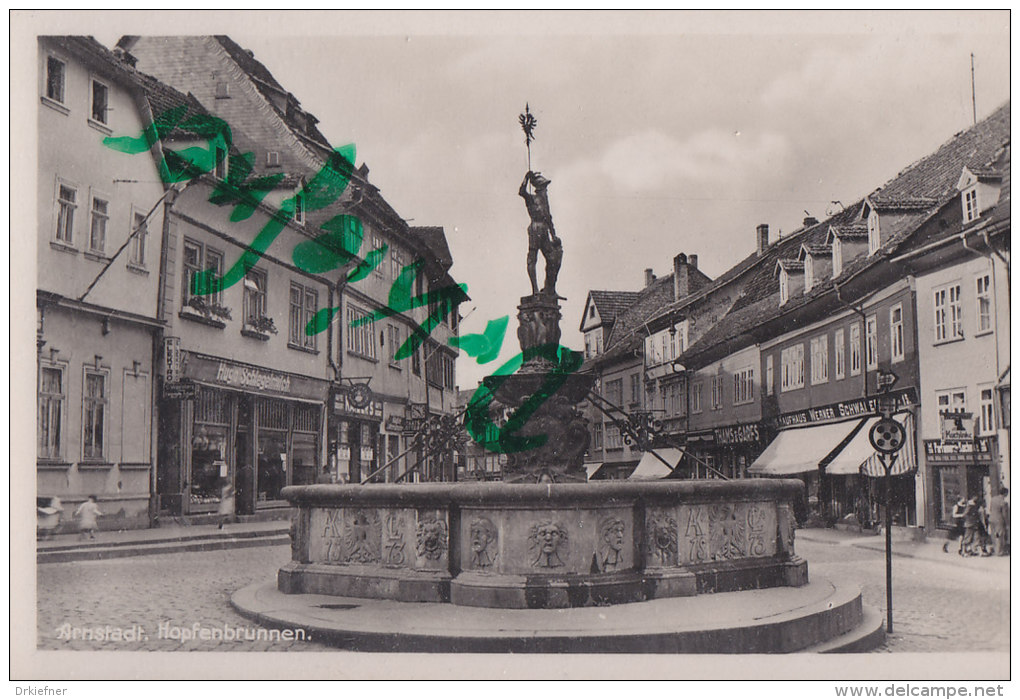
(970, 204)
(837, 257)
(874, 240)
(784, 287)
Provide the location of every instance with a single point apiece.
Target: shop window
(139, 239)
(95, 403)
(305, 452)
(984, 303)
(273, 418)
(209, 440)
(987, 425)
(304, 304)
(820, 359)
(98, 217)
(197, 258)
(254, 297)
(56, 71)
(948, 313)
(51, 410)
(792, 369)
(360, 338)
(855, 349)
(839, 344)
(896, 332)
(100, 102)
(871, 342)
(67, 203)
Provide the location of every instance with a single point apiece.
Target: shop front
(725, 450)
(967, 469)
(227, 423)
(354, 435)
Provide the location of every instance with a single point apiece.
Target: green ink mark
(400, 291)
(483, 346)
(246, 196)
(321, 320)
(333, 249)
(371, 261)
(503, 439)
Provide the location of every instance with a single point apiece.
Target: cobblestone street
(939, 607)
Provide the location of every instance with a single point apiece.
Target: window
(197, 257)
(896, 332)
(361, 338)
(717, 392)
(596, 436)
(100, 101)
(951, 400)
(792, 361)
(304, 304)
(837, 257)
(820, 359)
(93, 415)
(221, 167)
(970, 205)
(614, 439)
(139, 232)
(676, 407)
(396, 262)
(377, 243)
(55, 72)
(840, 348)
(871, 342)
(987, 424)
(743, 386)
(635, 388)
(393, 336)
(696, 397)
(299, 208)
(416, 361)
(51, 411)
(67, 198)
(874, 239)
(448, 371)
(273, 159)
(99, 215)
(809, 272)
(948, 314)
(769, 375)
(855, 349)
(614, 391)
(254, 296)
(984, 303)
(784, 287)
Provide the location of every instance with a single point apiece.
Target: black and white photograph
(512, 345)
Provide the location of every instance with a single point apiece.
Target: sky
(661, 133)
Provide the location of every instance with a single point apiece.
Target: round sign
(887, 436)
(360, 396)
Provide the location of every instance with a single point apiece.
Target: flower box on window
(259, 327)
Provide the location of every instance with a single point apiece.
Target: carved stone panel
(346, 536)
(432, 539)
(483, 544)
(661, 537)
(611, 545)
(394, 548)
(548, 544)
(726, 532)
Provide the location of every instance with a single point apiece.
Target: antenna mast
(973, 95)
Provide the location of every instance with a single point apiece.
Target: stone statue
(541, 234)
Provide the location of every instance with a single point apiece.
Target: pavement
(169, 538)
(929, 549)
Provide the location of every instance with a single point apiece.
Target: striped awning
(799, 450)
(906, 458)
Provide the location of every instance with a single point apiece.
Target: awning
(906, 458)
(851, 457)
(799, 450)
(651, 467)
(591, 468)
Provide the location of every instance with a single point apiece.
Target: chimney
(810, 221)
(124, 57)
(649, 276)
(681, 279)
(763, 237)
(692, 260)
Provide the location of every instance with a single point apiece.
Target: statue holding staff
(541, 233)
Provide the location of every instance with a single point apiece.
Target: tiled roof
(266, 83)
(884, 203)
(611, 303)
(433, 239)
(628, 332)
(790, 265)
(854, 231)
(817, 251)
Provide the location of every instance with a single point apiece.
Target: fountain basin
(542, 545)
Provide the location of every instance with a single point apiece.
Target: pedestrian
(998, 521)
(971, 528)
(959, 508)
(226, 507)
(87, 513)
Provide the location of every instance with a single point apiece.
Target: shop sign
(977, 450)
(707, 436)
(252, 378)
(396, 424)
(172, 353)
(854, 408)
(957, 426)
(366, 454)
(736, 434)
(343, 406)
(344, 453)
(234, 375)
(180, 390)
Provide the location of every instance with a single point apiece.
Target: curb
(139, 549)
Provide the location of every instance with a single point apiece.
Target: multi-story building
(99, 218)
(962, 283)
(364, 439)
